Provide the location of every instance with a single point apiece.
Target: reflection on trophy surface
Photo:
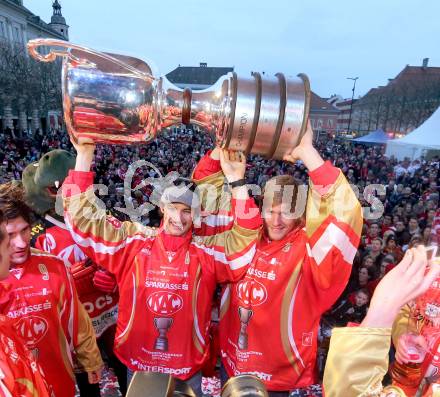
(154, 384)
(245, 316)
(244, 385)
(111, 98)
(162, 324)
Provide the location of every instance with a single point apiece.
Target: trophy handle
(115, 99)
(34, 44)
(68, 52)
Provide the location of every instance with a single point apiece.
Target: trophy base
(243, 342)
(161, 344)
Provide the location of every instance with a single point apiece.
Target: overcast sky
(327, 40)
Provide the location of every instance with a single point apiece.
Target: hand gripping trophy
(115, 99)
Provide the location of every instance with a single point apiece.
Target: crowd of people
(408, 191)
(400, 199)
(409, 196)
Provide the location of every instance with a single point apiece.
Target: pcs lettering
(36, 229)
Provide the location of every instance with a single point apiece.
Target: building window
(330, 123)
(17, 34)
(2, 29)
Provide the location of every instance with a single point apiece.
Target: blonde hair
(283, 190)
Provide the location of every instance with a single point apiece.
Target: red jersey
(54, 237)
(269, 320)
(166, 283)
(20, 375)
(47, 315)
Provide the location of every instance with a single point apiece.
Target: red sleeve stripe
(97, 239)
(234, 264)
(206, 167)
(246, 213)
(205, 231)
(221, 250)
(345, 227)
(77, 182)
(102, 247)
(325, 175)
(333, 236)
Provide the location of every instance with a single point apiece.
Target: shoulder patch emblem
(43, 270)
(114, 222)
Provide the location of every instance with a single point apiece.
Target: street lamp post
(352, 97)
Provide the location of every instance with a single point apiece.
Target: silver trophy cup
(111, 98)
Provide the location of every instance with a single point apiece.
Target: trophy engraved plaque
(115, 99)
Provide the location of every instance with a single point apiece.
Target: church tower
(57, 22)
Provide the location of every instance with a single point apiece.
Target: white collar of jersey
(51, 219)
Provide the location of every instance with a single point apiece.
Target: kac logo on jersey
(32, 329)
(251, 292)
(72, 254)
(164, 303)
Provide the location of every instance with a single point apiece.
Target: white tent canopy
(416, 144)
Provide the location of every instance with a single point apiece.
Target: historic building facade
(323, 115)
(401, 105)
(17, 26)
(345, 108)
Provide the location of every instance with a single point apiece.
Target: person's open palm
(409, 279)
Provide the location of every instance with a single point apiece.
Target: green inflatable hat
(41, 180)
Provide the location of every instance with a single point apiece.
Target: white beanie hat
(180, 194)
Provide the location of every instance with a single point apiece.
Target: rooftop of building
(318, 104)
(408, 81)
(197, 75)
